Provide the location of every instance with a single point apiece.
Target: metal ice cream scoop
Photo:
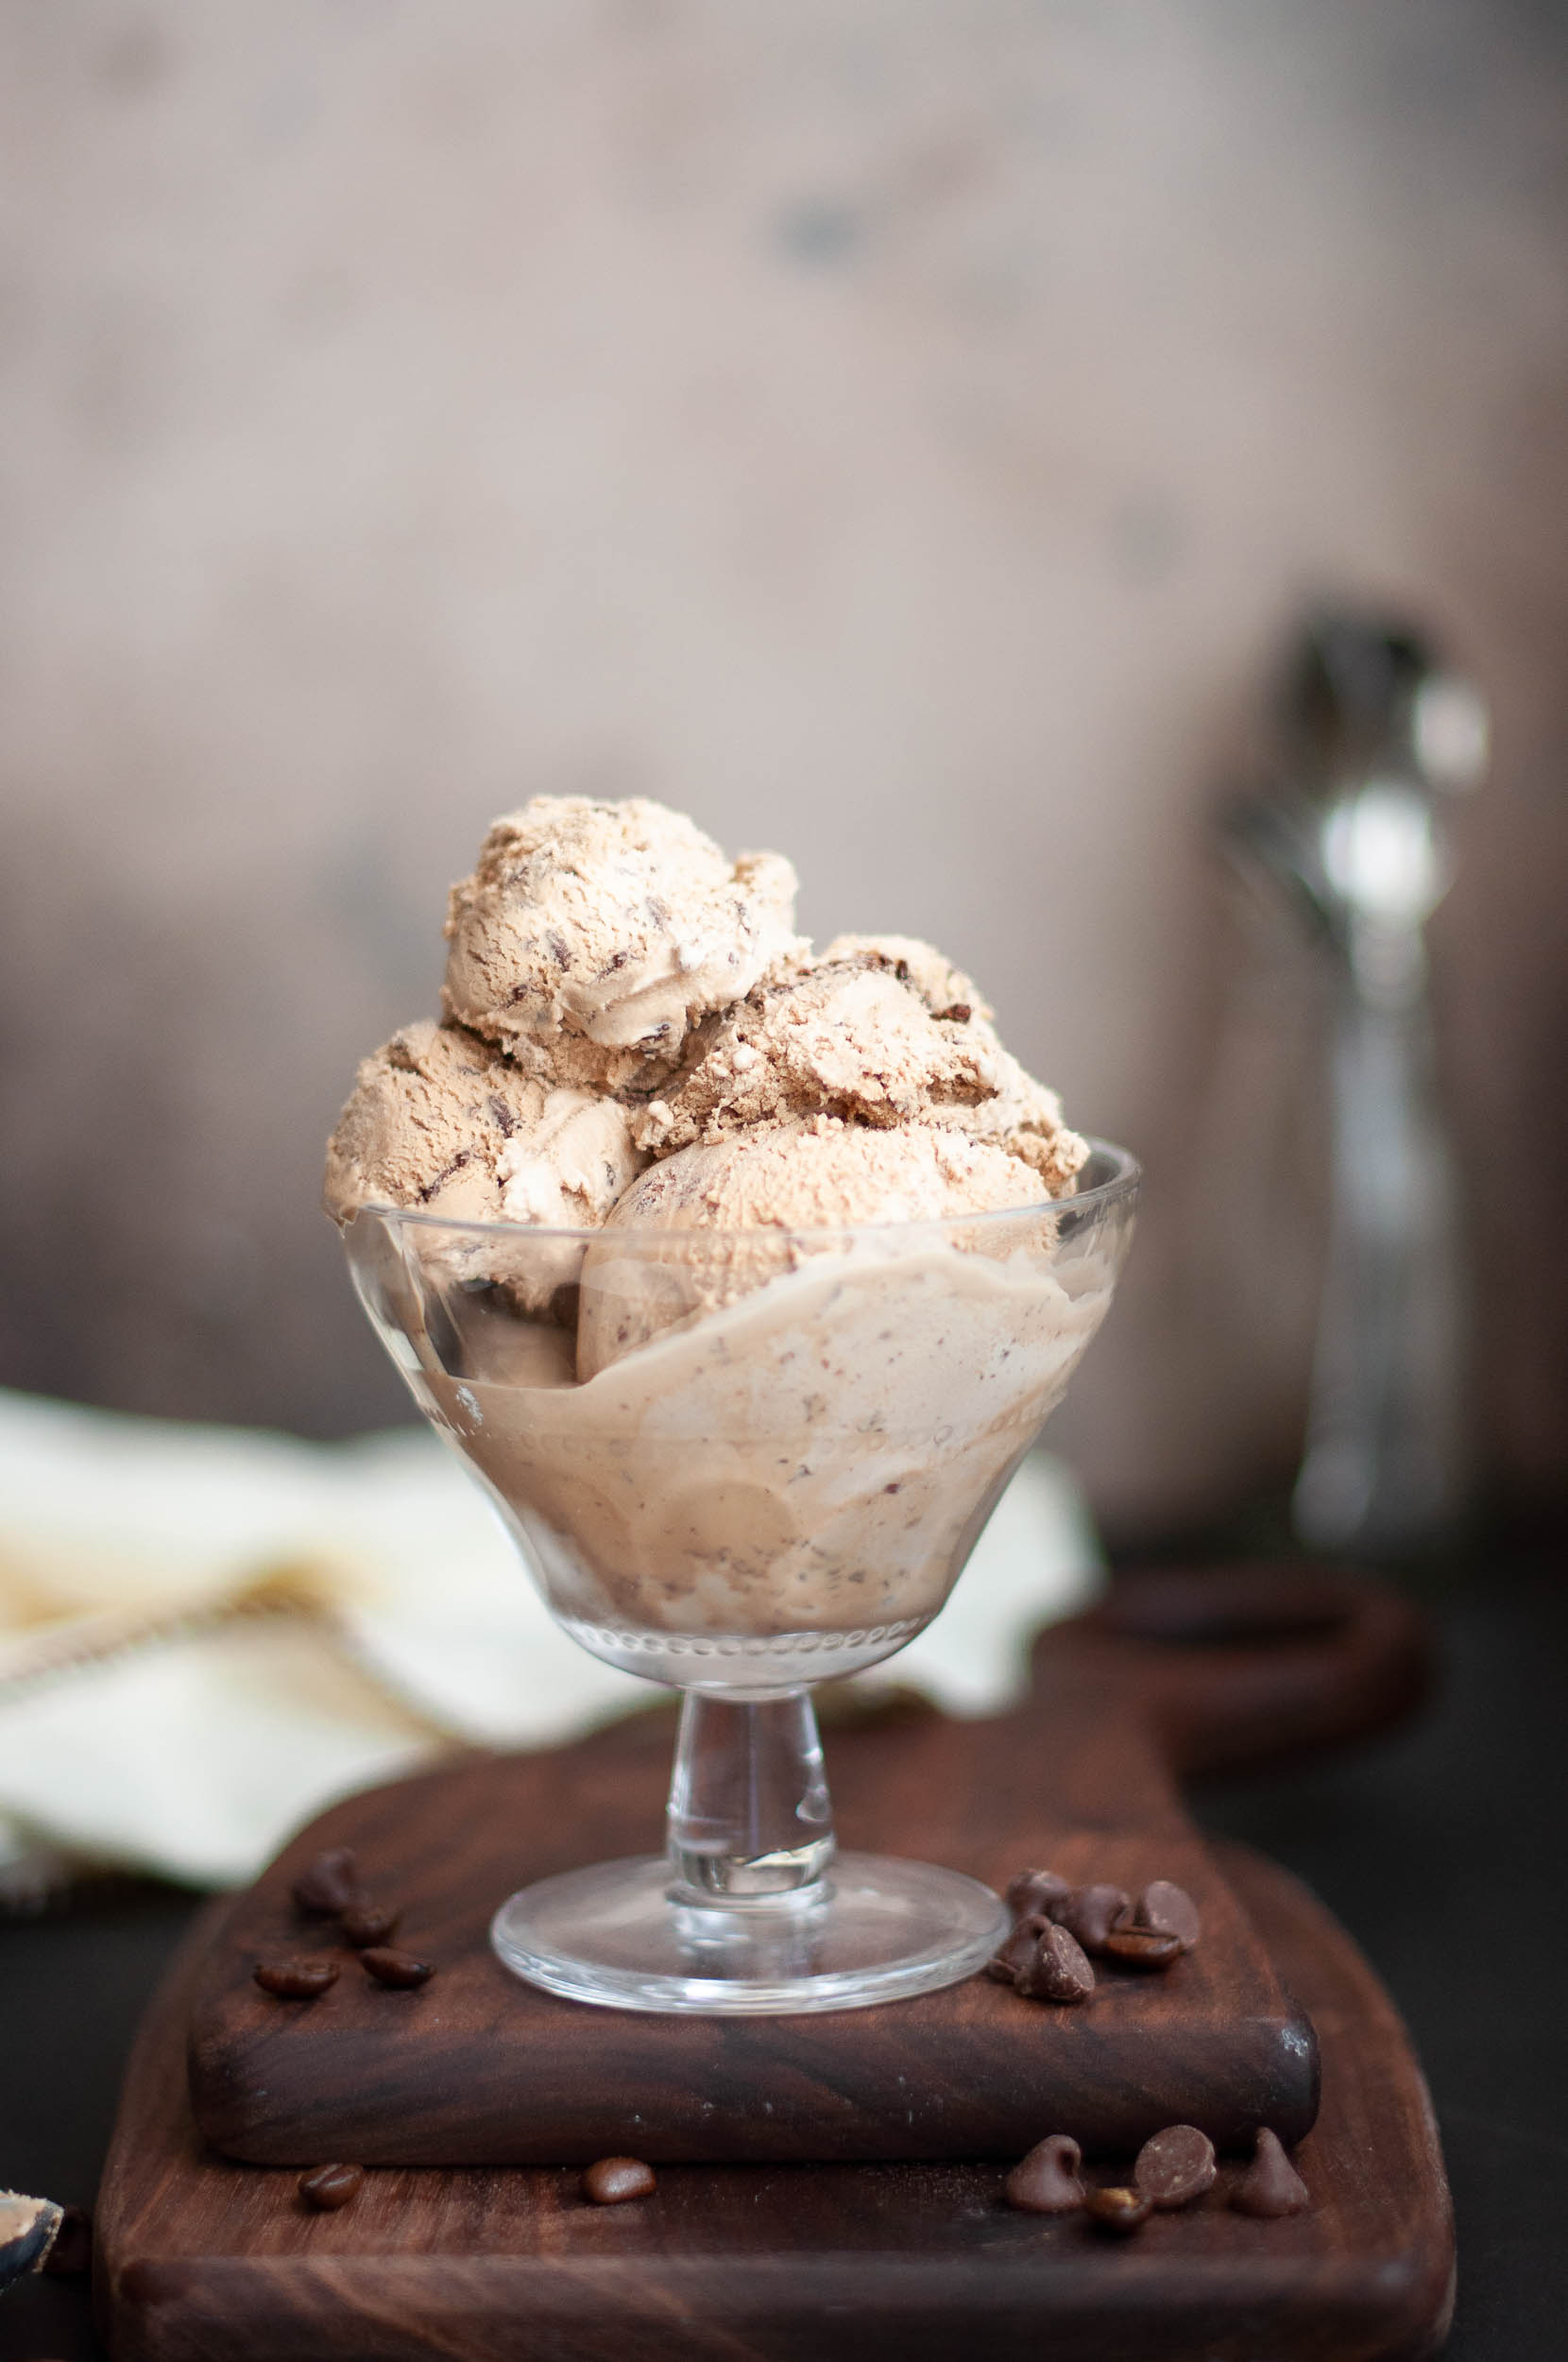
(1376, 736)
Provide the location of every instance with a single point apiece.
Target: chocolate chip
(1090, 1913)
(70, 2255)
(1019, 1950)
(1175, 2166)
(1170, 1912)
(611, 2180)
(330, 2186)
(1056, 1970)
(1035, 1890)
(366, 1924)
(296, 1980)
(1270, 2185)
(1142, 1947)
(1116, 2211)
(958, 1014)
(1046, 2181)
(400, 1969)
(330, 1885)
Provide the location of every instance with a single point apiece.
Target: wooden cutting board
(200, 2258)
(479, 2069)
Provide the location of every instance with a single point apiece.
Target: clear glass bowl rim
(1120, 1189)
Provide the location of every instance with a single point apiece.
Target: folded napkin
(207, 1635)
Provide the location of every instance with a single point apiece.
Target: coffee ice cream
(777, 1290)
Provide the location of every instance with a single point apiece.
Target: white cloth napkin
(206, 1634)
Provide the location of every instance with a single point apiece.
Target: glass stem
(749, 1810)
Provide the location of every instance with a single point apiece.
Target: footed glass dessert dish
(738, 1463)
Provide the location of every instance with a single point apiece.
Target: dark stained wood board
(479, 2069)
(200, 2258)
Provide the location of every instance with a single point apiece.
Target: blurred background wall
(898, 431)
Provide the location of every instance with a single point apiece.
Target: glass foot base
(625, 1936)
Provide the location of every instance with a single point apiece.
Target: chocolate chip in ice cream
(1175, 2166)
(1047, 2182)
(1056, 1970)
(1270, 2187)
(296, 1979)
(1091, 1912)
(1168, 1910)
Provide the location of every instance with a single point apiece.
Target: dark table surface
(1440, 1848)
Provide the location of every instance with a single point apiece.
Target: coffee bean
(1170, 1912)
(1046, 2181)
(611, 2180)
(296, 1980)
(367, 1924)
(1090, 1913)
(1116, 2211)
(395, 1968)
(330, 1885)
(1056, 1970)
(1142, 1947)
(1270, 2185)
(1017, 1951)
(1035, 1890)
(1175, 2166)
(330, 2186)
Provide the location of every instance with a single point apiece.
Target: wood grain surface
(478, 2068)
(199, 2257)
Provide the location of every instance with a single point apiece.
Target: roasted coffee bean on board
(296, 1980)
(1056, 1970)
(1116, 2211)
(611, 2180)
(1035, 1890)
(330, 2186)
(399, 1969)
(1175, 2166)
(1091, 1912)
(1142, 1947)
(1046, 2181)
(367, 1924)
(1015, 1954)
(1169, 1910)
(330, 1885)
(1270, 2185)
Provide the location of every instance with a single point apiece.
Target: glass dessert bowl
(738, 1463)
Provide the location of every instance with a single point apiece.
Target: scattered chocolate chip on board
(328, 2187)
(330, 1885)
(1270, 2187)
(1056, 1970)
(1175, 2166)
(1017, 1951)
(611, 2180)
(1169, 1910)
(296, 1980)
(1033, 1891)
(1091, 1912)
(1046, 2181)
(399, 1970)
